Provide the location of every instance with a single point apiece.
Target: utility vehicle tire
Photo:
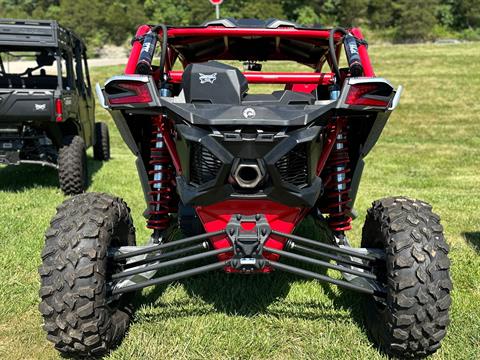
(74, 271)
(72, 166)
(101, 149)
(413, 319)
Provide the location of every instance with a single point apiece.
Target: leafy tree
(260, 9)
(416, 20)
(444, 13)
(306, 15)
(381, 14)
(351, 12)
(466, 13)
(178, 12)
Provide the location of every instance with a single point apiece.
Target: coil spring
(337, 186)
(161, 181)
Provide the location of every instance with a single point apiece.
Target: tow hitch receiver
(248, 241)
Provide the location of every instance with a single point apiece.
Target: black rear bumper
(288, 158)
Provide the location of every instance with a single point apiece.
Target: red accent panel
(362, 51)
(136, 49)
(280, 217)
(273, 77)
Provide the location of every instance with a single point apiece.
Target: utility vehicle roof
(250, 39)
(23, 34)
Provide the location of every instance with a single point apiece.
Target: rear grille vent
(293, 166)
(204, 166)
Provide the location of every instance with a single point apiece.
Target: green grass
(430, 149)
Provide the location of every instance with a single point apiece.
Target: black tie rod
(341, 260)
(316, 276)
(169, 254)
(328, 265)
(173, 262)
(171, 277)
(326, 246)
(155, 248)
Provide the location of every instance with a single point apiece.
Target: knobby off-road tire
(74, 272)
(413, 319)
(101, 149)
(72, 166)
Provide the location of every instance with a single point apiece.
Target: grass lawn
(430, 150)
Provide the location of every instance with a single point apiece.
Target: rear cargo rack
(38, 33)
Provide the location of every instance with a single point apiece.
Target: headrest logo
(207, 78)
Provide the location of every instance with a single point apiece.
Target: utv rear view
(237, 172)
(47, 112)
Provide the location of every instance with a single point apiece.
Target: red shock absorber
(337, 186)
(161, 179)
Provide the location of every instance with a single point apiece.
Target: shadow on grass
(473, 238)
(18, 178)
(237, 294)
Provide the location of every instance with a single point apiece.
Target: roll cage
(229, 40)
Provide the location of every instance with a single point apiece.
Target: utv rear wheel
(72, 166)
(78, 317)
(101, 149)
(413, 319)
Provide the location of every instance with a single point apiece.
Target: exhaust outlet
(248, 174)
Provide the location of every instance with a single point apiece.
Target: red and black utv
(237, 172)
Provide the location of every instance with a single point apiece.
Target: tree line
(102, 22)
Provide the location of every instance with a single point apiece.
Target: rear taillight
(129, 92)
(58, 110)
(369, 95)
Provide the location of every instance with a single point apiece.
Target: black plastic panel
(214, 83)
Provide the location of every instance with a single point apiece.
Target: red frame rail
(272, 77)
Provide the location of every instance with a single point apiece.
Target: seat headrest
(214, 82)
